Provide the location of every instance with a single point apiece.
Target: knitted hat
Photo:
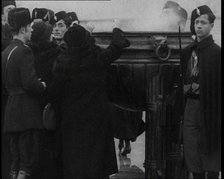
(19, 17)
(8, 2)
(76, 36)
(41, 31)
(198, 12)
(44, 14)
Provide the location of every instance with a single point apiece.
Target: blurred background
(132, 15)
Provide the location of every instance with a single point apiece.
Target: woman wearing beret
(80, 86)
(201, 62)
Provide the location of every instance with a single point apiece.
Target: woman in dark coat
(80, 86)
(128, 126)
(45, 53)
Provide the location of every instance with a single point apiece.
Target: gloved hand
(118, 38)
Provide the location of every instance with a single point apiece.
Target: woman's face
(59, 30)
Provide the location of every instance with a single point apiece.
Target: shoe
(199, 175)
(13, 174)
(121, 145)
(127, 149)
(23, 175)
(212, 175)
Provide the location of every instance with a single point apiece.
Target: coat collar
(19, 42)
(205, 42)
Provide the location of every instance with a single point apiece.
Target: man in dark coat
(80, 86)
(6, 37)
(63, 21)
(202, 86)
(23, 117)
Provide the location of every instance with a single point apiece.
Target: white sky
(100, 9)
(144, 13)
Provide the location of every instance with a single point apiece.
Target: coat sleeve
(118, 43)
(29, 79)
(54, 89)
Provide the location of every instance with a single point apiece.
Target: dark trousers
(24, 148)
(195, 160)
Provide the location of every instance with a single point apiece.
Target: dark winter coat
(128, 124)
(209, 56)
(45, 55)
(23, 106)
(6, 36)
(80, 86)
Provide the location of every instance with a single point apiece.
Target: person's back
(23, 118)
(80, 79)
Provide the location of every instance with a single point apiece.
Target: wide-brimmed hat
(19, 17)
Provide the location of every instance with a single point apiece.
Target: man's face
(27, 32)
(59, 30)
(6, 10)
(202, 26)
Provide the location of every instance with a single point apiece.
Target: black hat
(72, 16)
(198, 12)
(41, 31)
(76, 36)
(60, 15)
(19, 17)
(44, 14)
(8, 2)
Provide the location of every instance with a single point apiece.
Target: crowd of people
(49, 57)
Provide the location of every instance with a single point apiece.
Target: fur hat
(72, 16)
(198, 12)
(19, 17)
(8, 2)
(41, 31)
(44, 14)
(76, 36)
